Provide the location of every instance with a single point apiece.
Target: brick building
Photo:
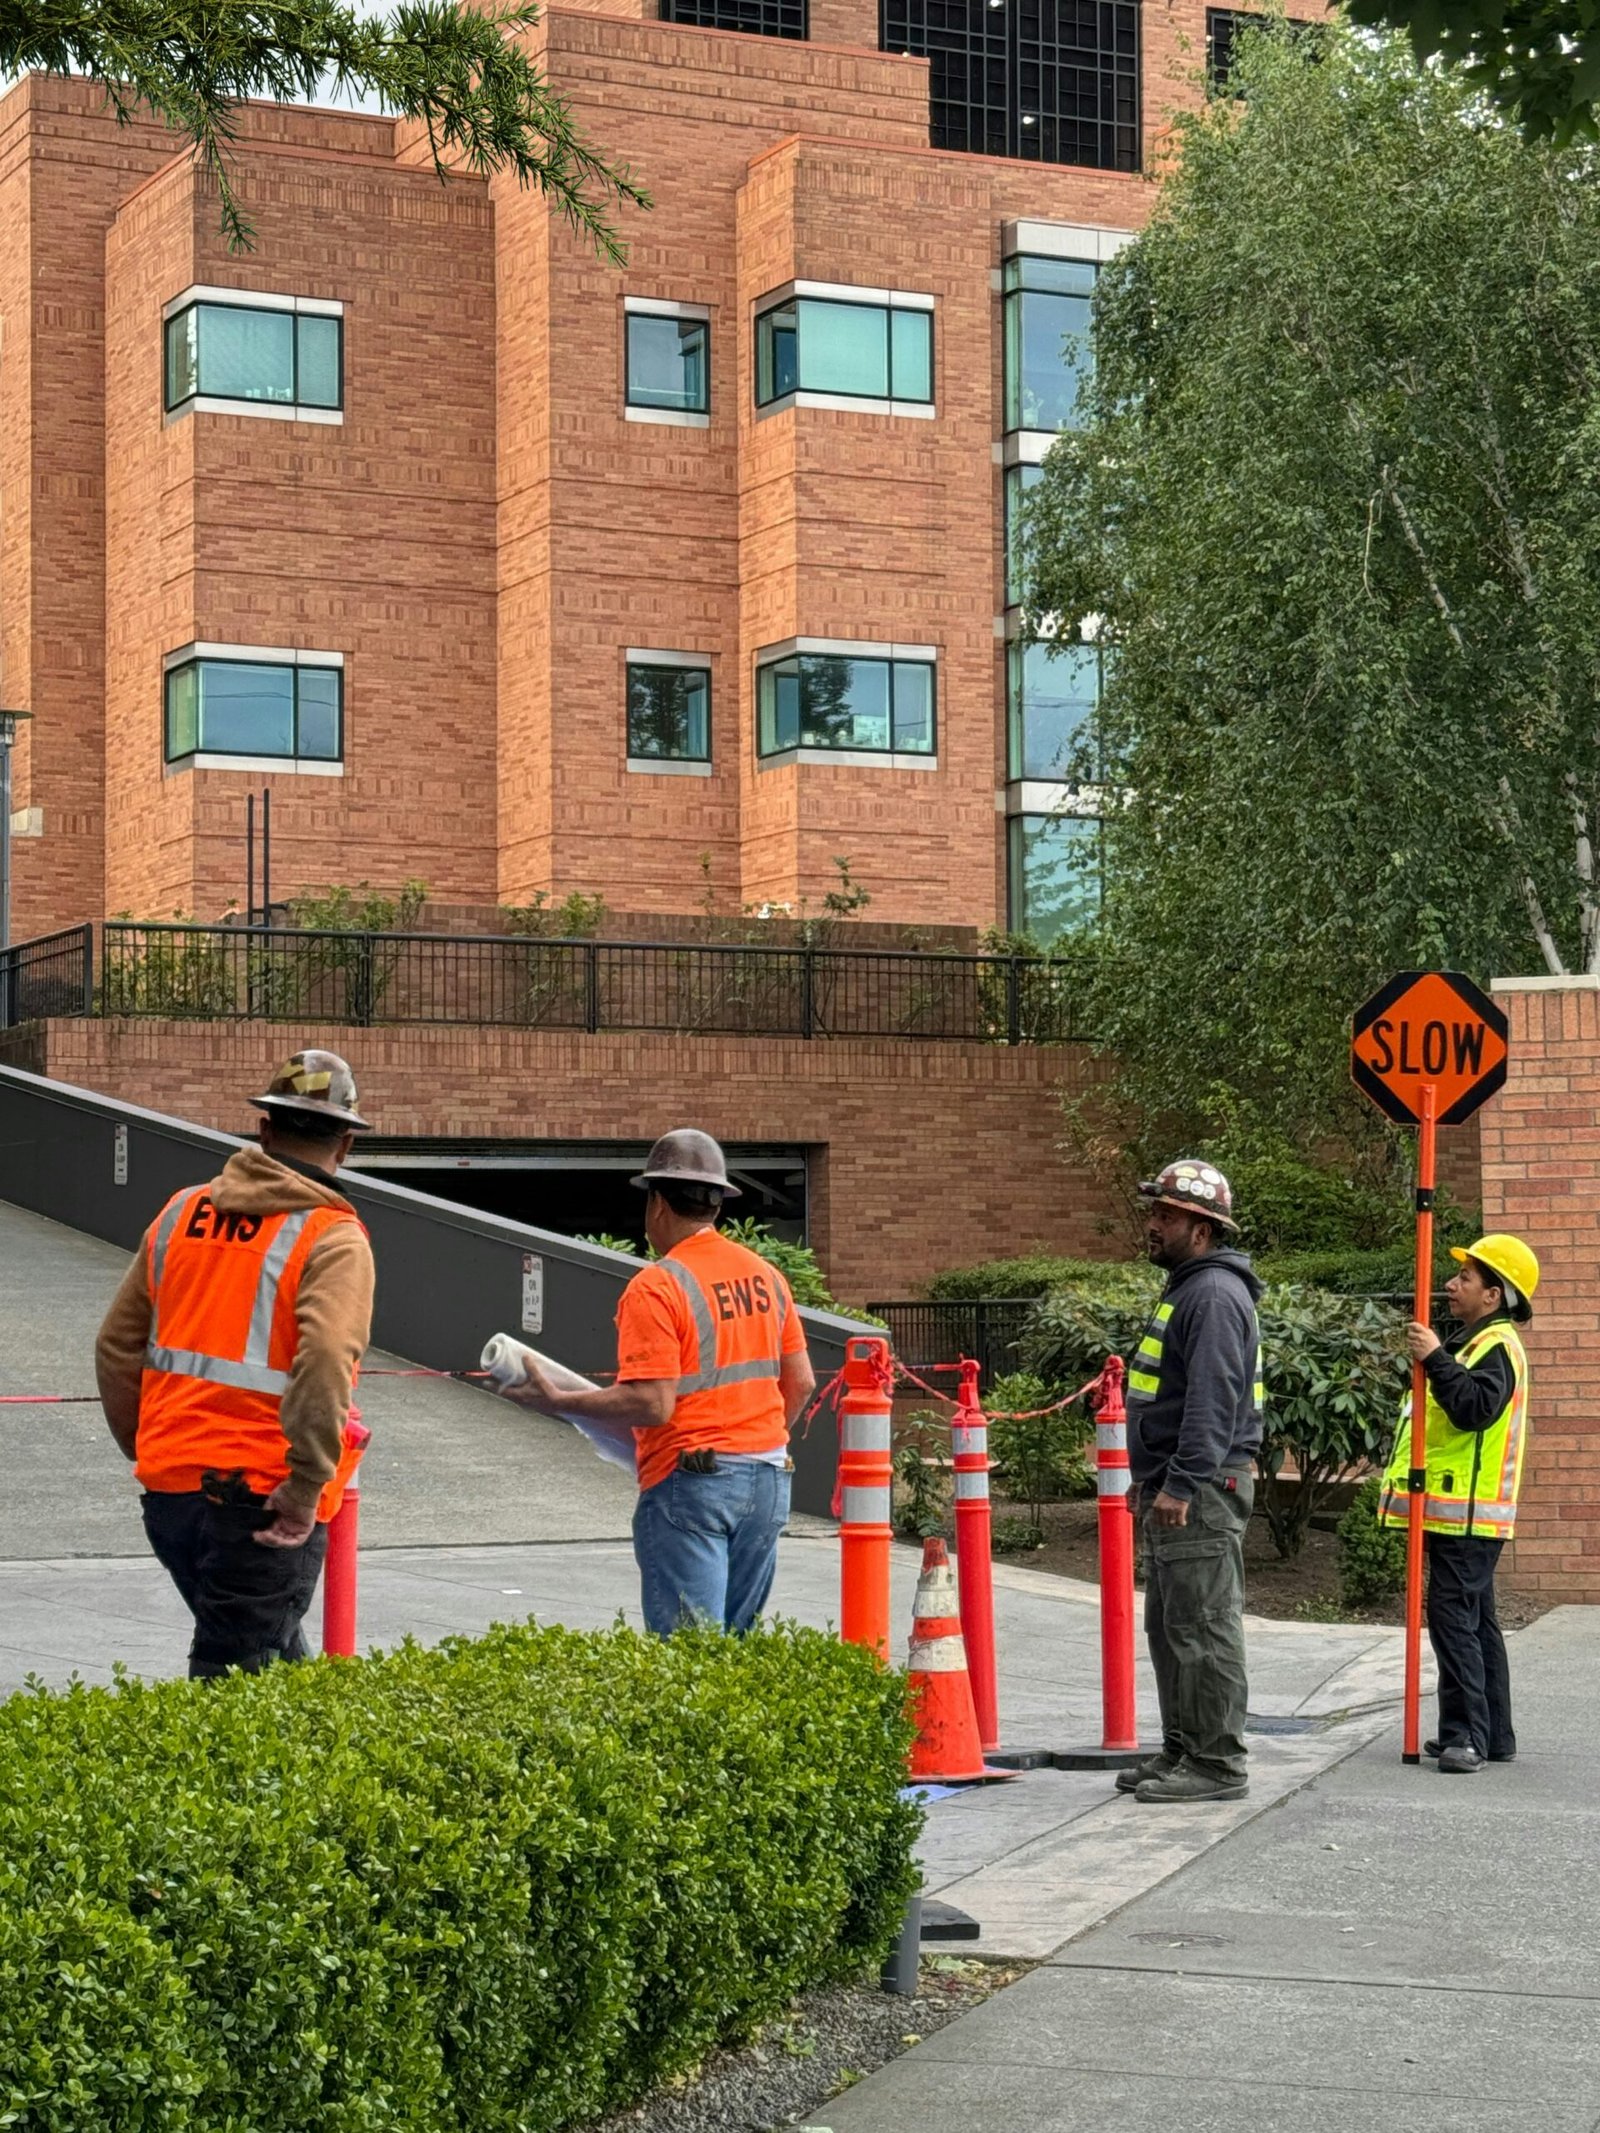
(526, 574)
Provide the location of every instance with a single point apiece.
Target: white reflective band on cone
(866, 1433)
(866, 1507)
(968, 1485)
(969, 1437)
(936, 1598)
(1113, 1481)
(1111, 1436)
(937, 1655)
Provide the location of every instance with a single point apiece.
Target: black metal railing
(50, 976)
(988, 1329)
(286, 973)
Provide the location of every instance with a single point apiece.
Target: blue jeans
(707, 1544)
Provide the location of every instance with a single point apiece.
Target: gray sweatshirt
(1202, 1418)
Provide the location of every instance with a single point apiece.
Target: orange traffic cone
(947, 1749)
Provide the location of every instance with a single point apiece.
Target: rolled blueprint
(506, 1362)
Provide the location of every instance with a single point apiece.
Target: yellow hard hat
(1508, 1257)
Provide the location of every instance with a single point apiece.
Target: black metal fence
(258, 973)
(50, 976)
(988, 1329)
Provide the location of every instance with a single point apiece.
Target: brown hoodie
(333, 1308)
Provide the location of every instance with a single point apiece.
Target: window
(756, 18)
(281, 708)
(273, 357)
(667, 359)
(1223, 25)
(1053, 874)
(669, 712)
(881, 706)
(1053, 692)
(1049, 355)
(1019, 480)
(861, 351)
(1049, 81)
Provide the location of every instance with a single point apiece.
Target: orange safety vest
(223, 1335)
(729, 1399)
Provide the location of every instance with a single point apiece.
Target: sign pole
(1417, 1475)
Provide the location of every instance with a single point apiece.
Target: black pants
(1474, 1678)
(247, 1601)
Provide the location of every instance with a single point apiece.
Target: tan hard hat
(686, 1156)
(319, 1084)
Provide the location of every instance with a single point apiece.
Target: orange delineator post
(1119, 1719)
(1417, 1474)
(866, 1483)
(969, 1440)
(339, 1569)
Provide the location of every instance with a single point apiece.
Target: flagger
(1476, 1426)
(226, 1366)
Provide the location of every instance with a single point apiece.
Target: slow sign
(1428, 1026)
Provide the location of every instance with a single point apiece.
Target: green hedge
(494, 1887)
(1346, 1271)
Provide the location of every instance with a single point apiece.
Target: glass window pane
(669, 713)
(844, 348)
(778, 703)
(183, 712)
(321, 693)
(1048, 360)
(777, 370)
(911, 337)
(667, 362)
(319, 338)
(913, 707)
(844, 702)
(246, 709)
(1063, 277)
(246, 355)
(183, 357)
(1054, 874)
(1053, 696)
(1019, 480)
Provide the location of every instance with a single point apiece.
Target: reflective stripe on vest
(1144, 1378)
(708, 1375)
(251, 1372)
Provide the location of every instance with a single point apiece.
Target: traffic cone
(947, 1749)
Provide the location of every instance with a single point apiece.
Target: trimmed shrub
(1039, 1458)
(1035, 1274)
(494, 1887)
(1334, 1366)
(1372, 1558)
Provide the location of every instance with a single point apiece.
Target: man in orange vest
(712, 1373)
(226, 1366)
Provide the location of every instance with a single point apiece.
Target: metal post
(266, 855)
(1417, 1473)
(1013, 1002)
(591, 987)
(250, 860)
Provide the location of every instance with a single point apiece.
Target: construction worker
(1476, 1428)
(1194, 1427)
(712, 1373)
(226, 1366)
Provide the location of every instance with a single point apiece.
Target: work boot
(1432, 1747)
(1458, 1760)
(1154, 1766)
(1189, 1782)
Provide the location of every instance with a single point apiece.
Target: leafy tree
(458, 70)
(1337, 505)
(1537, 58)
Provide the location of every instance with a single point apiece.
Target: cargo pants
(1194, 1620)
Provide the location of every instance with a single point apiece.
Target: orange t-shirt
(718, 1319)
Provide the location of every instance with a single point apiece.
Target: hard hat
(1512, 1260)
(319, 1084)
(686, 1156)
(1198, 1188)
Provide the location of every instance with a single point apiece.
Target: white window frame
(768, 655)
(666, 766)
(664, 307)
(250, 300)
(278, 655)
(845, 292)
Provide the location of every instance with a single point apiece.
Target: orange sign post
(1427, 1048)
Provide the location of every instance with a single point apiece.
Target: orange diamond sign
(1428, 1025)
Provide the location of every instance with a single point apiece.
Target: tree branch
(1508, 819)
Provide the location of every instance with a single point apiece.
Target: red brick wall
(924, 1156)
(1541, 1180)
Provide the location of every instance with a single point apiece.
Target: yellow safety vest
(1472, 1474)
(1145, 1375)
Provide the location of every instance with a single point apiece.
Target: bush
(1035, 1274)
(1334, 1368)
(1037, 1459)
(927, 1482)
(490, 1888)
(1372, 1558)
(1390, 1272)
